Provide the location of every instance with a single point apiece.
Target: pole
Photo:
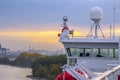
(96, 29)
(119, 51)
(110, 30)
(114, 22)
(96, 35)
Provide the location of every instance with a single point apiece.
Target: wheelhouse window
(72, 52)
(72, 62)
(78, 52)
(88, 52)
(107, 53)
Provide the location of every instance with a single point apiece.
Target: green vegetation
(42, 66)
(5, 60)
(26, 59)
(48, 67)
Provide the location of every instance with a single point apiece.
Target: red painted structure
(118, 77)
(65, 76)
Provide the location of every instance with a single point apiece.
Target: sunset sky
(38, 22)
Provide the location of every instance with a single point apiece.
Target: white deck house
(98, 54)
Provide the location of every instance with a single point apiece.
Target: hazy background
(38, 22)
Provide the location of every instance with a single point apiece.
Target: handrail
(108, 73)
(99, 37)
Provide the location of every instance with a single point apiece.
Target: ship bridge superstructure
(98, 54)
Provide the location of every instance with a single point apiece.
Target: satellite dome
(96, 14)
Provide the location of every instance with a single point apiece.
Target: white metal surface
(96, 14)
(119, 51)
(110, 75)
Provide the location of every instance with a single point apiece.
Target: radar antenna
(96, 15)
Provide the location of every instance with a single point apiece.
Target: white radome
(96, 14)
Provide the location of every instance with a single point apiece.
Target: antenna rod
(110, 30)
(65, 19)
(114, 22)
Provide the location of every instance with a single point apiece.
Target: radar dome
(96, 14)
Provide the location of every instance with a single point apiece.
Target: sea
(14, 73)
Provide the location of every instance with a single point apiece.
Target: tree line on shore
(42, 66)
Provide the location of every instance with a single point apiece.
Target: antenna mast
(110, 30)
(65, 19)
(114, 22)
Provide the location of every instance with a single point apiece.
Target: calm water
(14, 73)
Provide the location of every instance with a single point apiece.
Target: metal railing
(86, 37)
(110, 75)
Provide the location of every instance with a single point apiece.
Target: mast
(114, 22)
(110, 30)
(65, 19)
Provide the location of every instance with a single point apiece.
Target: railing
(87, 37)
(110, 75)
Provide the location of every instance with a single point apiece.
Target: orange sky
(43, 39)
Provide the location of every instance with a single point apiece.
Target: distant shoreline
(34, 78)
(15, 66)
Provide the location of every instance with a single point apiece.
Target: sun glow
(39, 36)
(47, 39)
(44, 36)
